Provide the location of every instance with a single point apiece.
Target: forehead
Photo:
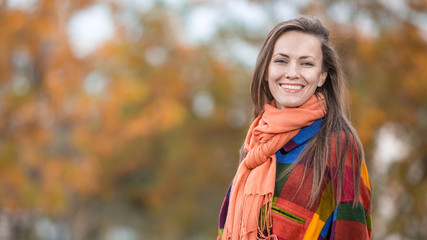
(296, 43)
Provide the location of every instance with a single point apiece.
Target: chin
(288, 105)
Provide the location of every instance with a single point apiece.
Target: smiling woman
(302, 173)
(295, 69)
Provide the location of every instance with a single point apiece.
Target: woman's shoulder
(345, 145)
(344, 139)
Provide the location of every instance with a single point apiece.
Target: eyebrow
(302, 57)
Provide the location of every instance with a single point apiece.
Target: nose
(292, 71)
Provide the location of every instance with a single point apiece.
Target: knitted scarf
(253, 184)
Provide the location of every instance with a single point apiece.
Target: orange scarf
(253, 184)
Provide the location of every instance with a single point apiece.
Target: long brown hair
(336, 129)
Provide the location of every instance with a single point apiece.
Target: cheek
(273, 73)
(313, 78)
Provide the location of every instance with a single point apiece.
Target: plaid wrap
(293, 220)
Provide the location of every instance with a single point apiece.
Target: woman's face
(295, 69)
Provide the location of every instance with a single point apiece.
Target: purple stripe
(223, 213)
(290, 145)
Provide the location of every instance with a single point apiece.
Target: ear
(322, 79)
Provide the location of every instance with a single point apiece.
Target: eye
(305, 63)
(280, 60)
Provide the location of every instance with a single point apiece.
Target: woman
(302, 173)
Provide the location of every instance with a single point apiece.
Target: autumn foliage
(143, 133)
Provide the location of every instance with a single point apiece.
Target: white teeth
(293, 87)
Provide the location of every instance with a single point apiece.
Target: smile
(291, 87)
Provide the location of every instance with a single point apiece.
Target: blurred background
(122, 119)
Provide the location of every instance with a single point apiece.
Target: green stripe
(347, 212)
(280, 181)
(326, 206)
(288, 215)
(369, 222)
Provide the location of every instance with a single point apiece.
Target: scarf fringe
(265, 221)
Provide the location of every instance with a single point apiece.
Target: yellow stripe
(365, 176)
(314, 229)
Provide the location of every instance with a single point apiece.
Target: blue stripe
(301, 139)
(290, 157)
(335, 214)
(326, 227)
(308, 132)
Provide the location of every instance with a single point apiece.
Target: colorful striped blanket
(292, 220)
